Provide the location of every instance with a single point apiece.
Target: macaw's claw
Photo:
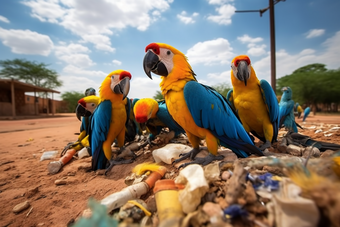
(191, 154)
(264, 146)
(117, 161)
(203, 161)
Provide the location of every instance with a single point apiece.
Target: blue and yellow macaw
(109, 119)
(254, 101)
(306, 112)
(298, 109)
(201, 111)
(156, 116)
(287, 110)
(84, 111)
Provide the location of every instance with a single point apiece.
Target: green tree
(30, 72)
(72, 99)
(158, 96)
(313, 84)
(223, 89)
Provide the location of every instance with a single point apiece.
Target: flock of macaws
(189, 107)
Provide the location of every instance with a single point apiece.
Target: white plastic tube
(118, 199)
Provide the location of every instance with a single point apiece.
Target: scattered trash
(196, 186)
(169, 208)
(48, 155)
(55, 166)
(83, 153)
(170, 152)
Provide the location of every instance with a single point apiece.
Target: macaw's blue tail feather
(240, 148)
(98, 159)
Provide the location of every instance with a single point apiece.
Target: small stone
(294, 150)
(60, 182)
(21, 206)
(309, 152)
(225, 175)
(212, 209)
(41, 224)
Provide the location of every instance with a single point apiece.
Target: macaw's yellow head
(144, 109)
(116, 84)
(86, 106)
(166, 61)
(241, 69)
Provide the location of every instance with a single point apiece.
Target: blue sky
(84, 40)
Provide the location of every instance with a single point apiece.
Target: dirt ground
(23, 177)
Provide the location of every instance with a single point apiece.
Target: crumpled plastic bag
(170, 152)
(196, 186)
(290, 209)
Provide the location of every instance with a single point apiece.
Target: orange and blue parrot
(255, 101)
(156, 116)
(109, 119)
(200, 110)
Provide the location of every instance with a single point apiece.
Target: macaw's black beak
(151, 63)
(243, 72)
(82, 112)
(123, 87)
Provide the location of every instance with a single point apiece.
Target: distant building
(14, 102)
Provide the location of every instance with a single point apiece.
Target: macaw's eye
(92, 104)
(236, 63)
(168, 52)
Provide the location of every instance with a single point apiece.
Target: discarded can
(169, 208)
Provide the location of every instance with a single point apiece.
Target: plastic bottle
(169, 208)
(55, 166)
(134, 191)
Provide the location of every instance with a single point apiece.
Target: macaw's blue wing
(211, 110)
(270, 99)
(230, 99)
(164, 116)
(285, 108)
(100, 125)
(306, 113)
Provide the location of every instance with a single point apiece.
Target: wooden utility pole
(272, 36)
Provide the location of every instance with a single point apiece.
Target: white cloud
(77, 71)
(315, 33)
(76, 83)
(100, 18)
(187, 19)
(143, 87)
(254, 49)
(210, 52)
(247, 39)
(219, 78)
(225, 12)
(74, 54)
(4, 19)
(219, 2)
(116, 62)
(257, 50)
(26, 42)
(101, 42)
